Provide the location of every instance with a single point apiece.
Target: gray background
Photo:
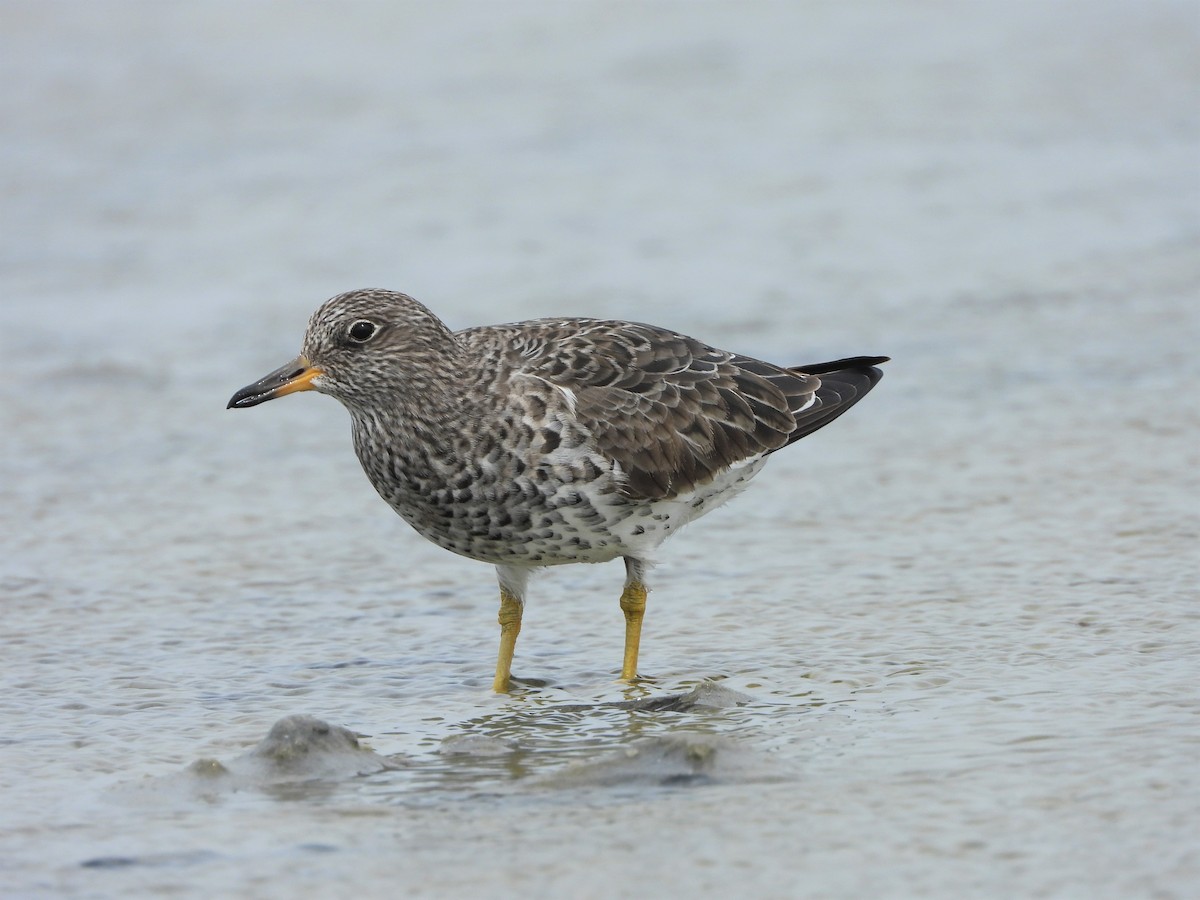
(965, 615)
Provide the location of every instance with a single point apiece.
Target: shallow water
(947, 647)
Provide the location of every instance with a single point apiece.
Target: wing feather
(674, 412)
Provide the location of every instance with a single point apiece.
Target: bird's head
(361, 346)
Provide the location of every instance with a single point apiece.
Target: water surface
(946, 647)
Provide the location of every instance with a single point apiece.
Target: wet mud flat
(513, 762)
(662, 740)
(965, 616)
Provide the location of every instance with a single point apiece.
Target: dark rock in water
(153, 860)
(298, 750)
(304, 747)
(706, 695)
(674, 761)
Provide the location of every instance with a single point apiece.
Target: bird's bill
(297, 375)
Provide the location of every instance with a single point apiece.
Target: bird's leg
(510, 627)
(512, 603)
(633, 604)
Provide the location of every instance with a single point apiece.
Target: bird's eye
(361, 331)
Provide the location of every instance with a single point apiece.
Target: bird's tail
(843, 383)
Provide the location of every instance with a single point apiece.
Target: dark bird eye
(362, 331)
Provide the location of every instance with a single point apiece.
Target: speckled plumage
(556, 440)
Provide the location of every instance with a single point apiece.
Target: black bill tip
(295, 376)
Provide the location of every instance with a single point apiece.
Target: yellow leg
(510, 627)
(633, 604)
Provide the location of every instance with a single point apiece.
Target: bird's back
(671, 411)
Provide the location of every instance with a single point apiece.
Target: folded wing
(674, 412)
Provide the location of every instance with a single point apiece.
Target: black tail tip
(842, 365)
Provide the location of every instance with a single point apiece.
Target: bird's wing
(671, 411)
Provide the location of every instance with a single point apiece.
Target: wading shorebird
(553, 441)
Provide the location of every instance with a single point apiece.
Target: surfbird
(553, 441)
